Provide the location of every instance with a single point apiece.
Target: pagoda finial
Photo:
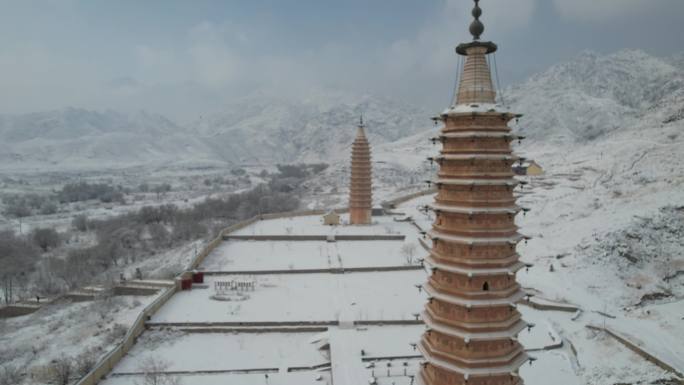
(476, 27)
(361, 120)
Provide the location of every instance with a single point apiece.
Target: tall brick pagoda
(360, 194)
(471, 318)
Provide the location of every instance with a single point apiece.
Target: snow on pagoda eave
(473, 303)
(473, 272)
(518, 326)
(469, 210)
(435, 235)
(475, 372)
(465, 109)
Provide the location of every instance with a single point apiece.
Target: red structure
(186, 283)
(471, 317)
(197, 277)
(360, 185)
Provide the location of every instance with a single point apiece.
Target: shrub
(45, 238)
(80, 223)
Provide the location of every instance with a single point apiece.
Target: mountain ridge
(575, 102)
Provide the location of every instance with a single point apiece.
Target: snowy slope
(594, 95)
(262, 128)
(78, 138)
(258, 129)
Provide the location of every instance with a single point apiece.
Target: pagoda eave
(510, 333)
(474, 372)
(473, 303)
(454, 209)
(474, 272)
(514, 239)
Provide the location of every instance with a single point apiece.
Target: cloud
(601, 10)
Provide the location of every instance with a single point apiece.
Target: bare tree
(45, 238)
(62, 371)
(408, 250)
(85, 362)
(154, 373)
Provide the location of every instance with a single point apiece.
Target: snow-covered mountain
(267, 129)
(594, 94)
(83, 139)
(573, 102)
(258, 129)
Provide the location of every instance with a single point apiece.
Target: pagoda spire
(476, 80)
(360, 184)
(471, 317)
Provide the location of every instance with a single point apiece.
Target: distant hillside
(573, 102)
(81, 139)
(594, 94)
(254, 130)
(266, 129)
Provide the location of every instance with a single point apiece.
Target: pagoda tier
(360, 188)
(471, 317)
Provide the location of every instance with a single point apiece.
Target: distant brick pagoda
(360, 193)
(471, 318)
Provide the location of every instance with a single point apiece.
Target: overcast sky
(185, 58)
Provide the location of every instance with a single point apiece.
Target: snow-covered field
(313, 225)
(236, 255)
(223, 351)
(304, 297)
(293, 378)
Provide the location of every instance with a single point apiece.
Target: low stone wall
(379, 237)
(317, 271)
(276, 237)
(637, 349)
(393, 203)
(548, 306)
(244, 324)
(107, 363)
(389, 322)
(285, 329)
(135, 290)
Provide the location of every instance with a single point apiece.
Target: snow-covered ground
(223, 351)
(236, 255)
(49, 334)
(298, 297)
(313, 225)
(293, 378)
(382, 295)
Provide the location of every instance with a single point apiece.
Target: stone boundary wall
(217, 330)
(548, 307)
(379, 237)
(136, 290)
(393, 203)
(268, 324)
(107, 363)
(389, 322)
(316, 271)
(637, 349)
